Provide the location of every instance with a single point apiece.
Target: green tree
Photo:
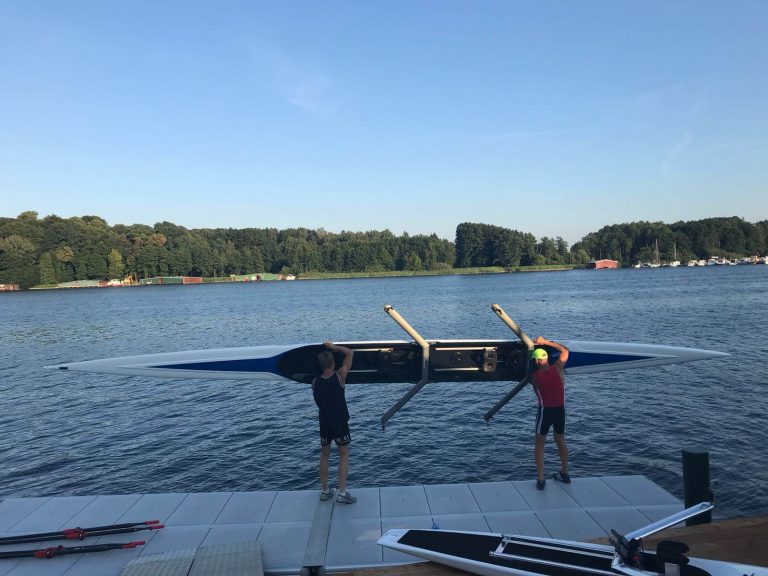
(469, 245)
(47, 273)
(413, 262)
(18, 262)
(116, 267)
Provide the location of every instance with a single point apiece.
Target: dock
(283, 530)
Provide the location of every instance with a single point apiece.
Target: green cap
(539, 354)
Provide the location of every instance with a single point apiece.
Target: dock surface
(281, 521)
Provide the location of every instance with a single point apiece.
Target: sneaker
(540, 484)
(563, 477)
(345, 498)
(325, 494)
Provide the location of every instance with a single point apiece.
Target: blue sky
(550, 117)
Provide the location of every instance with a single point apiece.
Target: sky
(550, 117)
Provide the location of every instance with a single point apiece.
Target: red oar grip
(48, 552)
(157, 527)
(133, 544)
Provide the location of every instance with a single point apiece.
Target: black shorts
(338, 433)
(546, 417)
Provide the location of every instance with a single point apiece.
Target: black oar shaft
(81, 533)
(62, 550)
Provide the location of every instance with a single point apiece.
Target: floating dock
(280, 532)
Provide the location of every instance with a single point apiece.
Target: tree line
(730, 237)
(51, 250)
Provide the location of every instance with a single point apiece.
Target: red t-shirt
(551, 391)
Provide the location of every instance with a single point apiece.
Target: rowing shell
(499, 555)
(390, 361)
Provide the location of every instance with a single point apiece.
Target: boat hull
(389, 361)
(496, 555)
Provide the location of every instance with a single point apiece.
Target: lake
(73, 434)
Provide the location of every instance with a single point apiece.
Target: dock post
(696, 482)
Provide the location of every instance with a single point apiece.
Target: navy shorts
(338, 433)
(554, 417)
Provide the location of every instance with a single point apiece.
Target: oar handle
(512, 325)
(389, 309)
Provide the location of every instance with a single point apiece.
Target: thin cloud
(296, 83)
(682, 146)
(311, 93)
(523, 135)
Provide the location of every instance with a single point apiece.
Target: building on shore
(599, 264)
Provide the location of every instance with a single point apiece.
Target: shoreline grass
(369, 274)
(446, 272)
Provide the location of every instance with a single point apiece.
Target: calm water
(66, 433)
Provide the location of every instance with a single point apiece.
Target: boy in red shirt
(549, 386)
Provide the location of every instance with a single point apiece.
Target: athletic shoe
(345, 498)
(325, 494)
(540, 484)
(563, 477)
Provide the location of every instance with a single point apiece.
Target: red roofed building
(598, 264)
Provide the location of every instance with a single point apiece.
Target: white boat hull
(482, 562)
(389, 361)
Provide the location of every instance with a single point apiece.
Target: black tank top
(330, 399)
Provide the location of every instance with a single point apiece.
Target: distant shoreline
(451, 272)
(85, 284)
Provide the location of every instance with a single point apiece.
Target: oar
(81, 533)
(61, 550)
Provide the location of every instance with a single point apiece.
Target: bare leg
(562, 450)
(539, 455)
(325, 452)
(343, 463)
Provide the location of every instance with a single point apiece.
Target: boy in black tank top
(328, 392)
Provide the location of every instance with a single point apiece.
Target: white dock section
(281, 521)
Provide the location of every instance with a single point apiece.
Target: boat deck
(282, 521)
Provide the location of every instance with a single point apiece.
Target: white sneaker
(345, 498)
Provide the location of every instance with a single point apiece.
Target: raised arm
(540, 341)
(346, 364)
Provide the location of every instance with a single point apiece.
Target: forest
(47, 251)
